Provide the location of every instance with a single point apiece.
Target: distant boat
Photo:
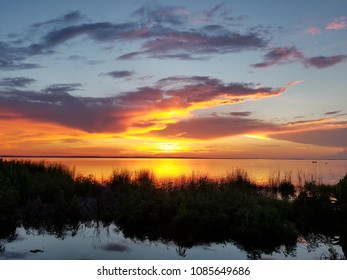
(314, 161)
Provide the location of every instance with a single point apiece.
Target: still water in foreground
(259, 170)
(46, 233)
(98, 242)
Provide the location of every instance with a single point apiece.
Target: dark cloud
(324, 61)
(58, 88)
(77, 57)
(103, 32)
(163, 32)
(240, 114)
(130, 55)
(214, 127)
(68, 18)
(285, 55)
(161, 29)
(197, 42)
(120, 74)
(322, 137)
(115, 114)
(280, 56)
(202, 89)
(12, 58)
(58, 106)
(332, 112)
(153, 13)
(16, 82)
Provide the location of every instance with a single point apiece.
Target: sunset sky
(238, 79)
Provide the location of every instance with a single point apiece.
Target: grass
(188, 211)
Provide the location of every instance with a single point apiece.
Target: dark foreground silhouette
(188, 211)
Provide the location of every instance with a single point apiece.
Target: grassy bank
(188, 211)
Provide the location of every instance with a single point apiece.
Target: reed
(188, 211)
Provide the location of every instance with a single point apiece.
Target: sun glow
(169, 146)
(257, 136)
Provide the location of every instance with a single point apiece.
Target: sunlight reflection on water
(261, 171)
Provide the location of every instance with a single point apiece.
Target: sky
(216, 79)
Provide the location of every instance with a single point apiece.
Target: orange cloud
(148, 107)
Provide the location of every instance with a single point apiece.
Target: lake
(259, 170)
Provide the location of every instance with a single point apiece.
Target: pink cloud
(295, 82)
(313, 31)
(339, 23)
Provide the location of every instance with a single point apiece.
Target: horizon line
(158, 157)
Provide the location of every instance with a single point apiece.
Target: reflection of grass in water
(189, 210)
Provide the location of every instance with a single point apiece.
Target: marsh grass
(190, 210)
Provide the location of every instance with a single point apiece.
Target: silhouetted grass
(188, 211)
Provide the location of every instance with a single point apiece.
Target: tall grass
(189, 210)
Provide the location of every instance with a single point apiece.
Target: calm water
(97, 242)
(259, 170)
(92, 242)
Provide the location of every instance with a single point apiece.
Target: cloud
(214, 127)
(60, 107)
(323, 137)
(336, 24)
(116, 114)
(16, 82)
(295, 82)
(218, 10)
(120, 74)
(190, 44)
(68, 18)
(313, 31)
(102, 32)
(332, 112)
(240, 114)
(196, 89)
(161, 32)
(278, 56)
(59, 88)
(324, 61)
(153, 13)
(12, 58)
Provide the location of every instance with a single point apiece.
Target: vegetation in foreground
(188, 211)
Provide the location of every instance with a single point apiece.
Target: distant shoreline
(159, 157)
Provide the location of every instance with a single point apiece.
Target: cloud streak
(278, 56)
(20, 82)
(120, 74)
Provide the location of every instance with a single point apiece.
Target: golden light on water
(260, 171)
